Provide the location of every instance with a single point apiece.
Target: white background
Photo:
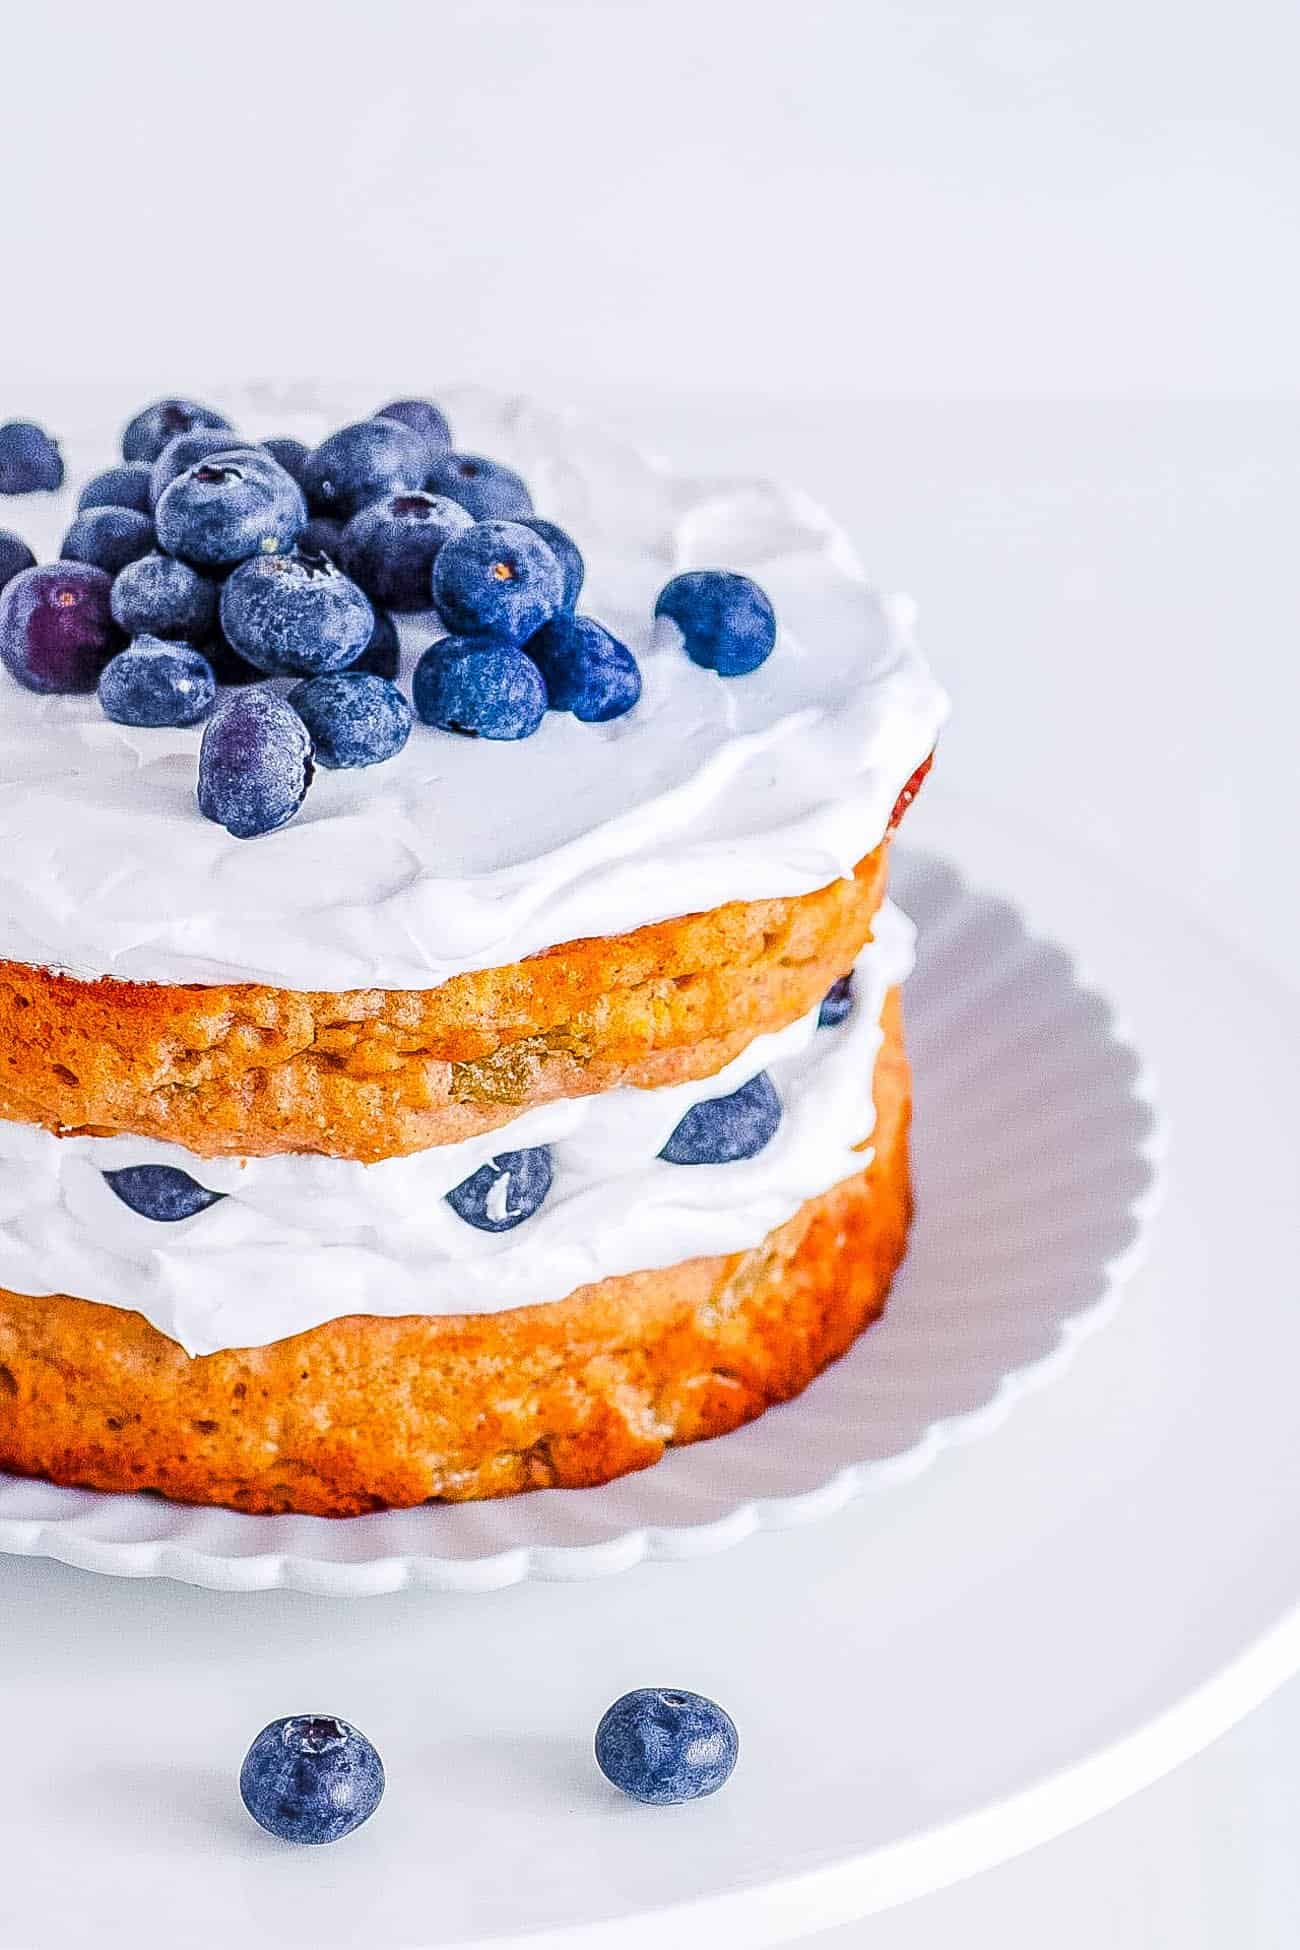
(1016, 290)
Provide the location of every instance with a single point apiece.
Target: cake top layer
(461, 854)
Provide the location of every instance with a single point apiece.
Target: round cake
(526, 1091)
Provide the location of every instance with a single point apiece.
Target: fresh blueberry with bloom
(295, 615)
(496, 579)
(292, 455)
(229, 508)
(585, 669)
(353, 717)
(30, 462)
(157, 683)
(255, 763)
(56, 626)
(382, 656)
(15, 556)
(311, 1778)
(837, 1003)
(723, 1130)
(566, 552)
(126, 486)
(663, 1746)
(160, 1192)
(187, 450)
(322, 536)
(423, 417)
(488, 489)
(148, 433)
(391, 546)
(362, 463)
(726, 621)
(479, 688)
(504, 1192)
(109, 538)
(159, 596)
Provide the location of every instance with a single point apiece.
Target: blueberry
(311, 1778)
(489, 490)
(725, 619)
(15, 556)
(295, 615)
(292, 455)
(157, 683)
(479, 688)
(722, 1130)
(160, 1192)
(382, 656)
(254, 763)
(423, 417)
(504, 1192)
(229, 508)
(663, 1746)
(354, 718)
(585, 669)
(186, 450)
(362, 463)
(126, 486)
(566, 552)
(159, 596)
(837, 1003)
(108, 538)
(56, 628)
(30, 461)
(391, 546)
(148, 433)
(497, 579)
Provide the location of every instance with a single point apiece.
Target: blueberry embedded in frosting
(725, 1130)
(504, 1192)
(160, 1192)
(836, 1003)
(727, 622)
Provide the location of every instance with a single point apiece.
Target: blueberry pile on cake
(450, 1039)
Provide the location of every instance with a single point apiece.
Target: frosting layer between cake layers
(462, 854)
(300, 1240)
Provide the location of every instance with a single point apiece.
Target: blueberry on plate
(354, 718)
(423, 417)
(391, 546)
(126, 486)
(157, 683)
(726, 621)
(311, 1779)
(186, 450)
(479, 688)
(382, 656)
(837, 1003)
(723, 1130)
(488, 489)
(504, 1192)
(160, 1192)
(108, 538)
(496, 579)
(158, 596)
(15, 556)
(362, 463)
(292, 455)
(662, 1746)
(295, 615)
(30, 462)
(255, 763)
(585, 669)
(148, 433)
(229, 508)
(56, 627)
(566, 552)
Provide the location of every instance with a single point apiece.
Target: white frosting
(301, 1240)
(463, 854)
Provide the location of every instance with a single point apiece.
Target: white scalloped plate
(1035, 1147)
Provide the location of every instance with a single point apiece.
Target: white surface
(300, 1240)
(1034, 1172)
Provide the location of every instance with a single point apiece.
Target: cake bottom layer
(365, 1413)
